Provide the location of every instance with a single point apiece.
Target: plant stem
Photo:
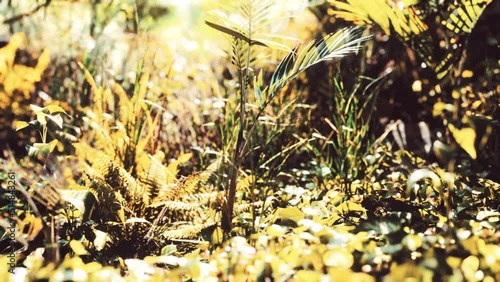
(243, 77)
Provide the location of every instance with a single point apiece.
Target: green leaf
(168, 250)
(333, 46)
(41, 148)
(57, 119)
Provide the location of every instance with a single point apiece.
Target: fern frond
(333, 46)
(248, 207)
(248, 23)
(245, 183)
(178, 206)
(211, 199)
(190, 184)
(116, 176)
(187, 231)
(245, 20)
(151, 172)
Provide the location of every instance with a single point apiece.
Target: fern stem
(243, 77)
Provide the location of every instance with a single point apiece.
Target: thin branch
(28, 14)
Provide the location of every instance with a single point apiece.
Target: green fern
(333, 46)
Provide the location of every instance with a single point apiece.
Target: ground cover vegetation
(251, 140)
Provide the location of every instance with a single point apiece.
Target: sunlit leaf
(412, 242)
(21, 124)
(487, 214)
(35, 226)
(466, 138)
(57, 119)
(82, 200)
(308, 275)
(341, 258)
(234, 33)
(469, 266)
(101, 238)
(467, 74)
(332, 46)
(168, 250)
(88, 77)
(422, 174)
(217, 236)
(42, 148)
(54, 109)
(78, 248)
(290, 213)
(346, 207)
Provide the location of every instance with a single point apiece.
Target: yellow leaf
(467, 74)
(293, 214)
(347, 207)
(35, 226)
(21, 124)
(308, 275)
(217, 236)
(78, 248)
(92, 267)
(453, 262)
(341, 258)
(412, 242)
(43, 149)
(36, 109)
(54, 109)
(465, 138)
(43, 62)
(440, 107)
(476, 104)
(470, 265)
(41, 118)
(172, 170)
(245, 183)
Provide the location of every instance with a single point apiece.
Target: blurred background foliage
(376, 168)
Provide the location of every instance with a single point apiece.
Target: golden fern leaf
(249, 207)
(109, 200)
(178, 206)
(245, 183)
(116, 176)
(125, 105)
(190, 184)
(151, 173)
(187, 231)
(211, 199)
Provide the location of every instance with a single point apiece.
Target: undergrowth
(267, 156)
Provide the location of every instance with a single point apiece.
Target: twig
(23, 15)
